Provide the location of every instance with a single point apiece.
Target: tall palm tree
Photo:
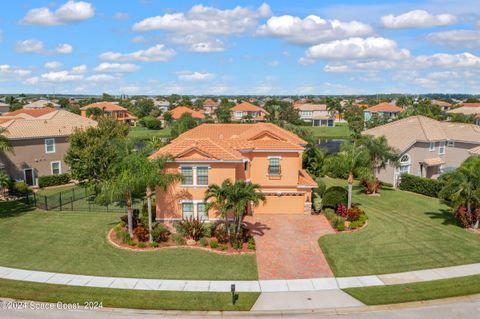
(5, 145)
(243, 195)
(462, 187)
(380, 154)
(334, 105)
(218, 196)
(355, 157)
(153, 176)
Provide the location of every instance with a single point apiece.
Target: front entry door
(29, 176)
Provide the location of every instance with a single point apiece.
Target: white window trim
(279, 164)
(442, 145)
(194, 175)
(59, 167)
(407, 164)
(195, 203)
(450, 143)
(432, 147)
(46, 146)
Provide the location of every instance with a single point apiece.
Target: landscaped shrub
(154, 244)
(420, 185)
(334, 196)
(203, 242)
(322, 187)
(338, 223)
(329, 213)
(122, 235)
(179, 229)
(317, 202)
(160, 233)
(130, 242)
(20, 188)
(354, 214)
(53, 180)
(144, 215)
(141, 244)
(251, 243)
(221, 233)
(208, 229)
(141, 233)
(342, 210)
(192, 227)
(463, 217)
(135, 218)
(213, 243)
(151, 122)
(371, 187)
(178, 239)
(222, 247)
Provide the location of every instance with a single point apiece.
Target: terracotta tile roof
(246, 106)
(467, 110)
(471, 104)
(180, 110)
(310, 107)
(31, 112)
(40, 104)
(436, 161)
(57, 123)
(210, 102)
(228, 141)
(441, 103)
(105, 106)
(403, 133)
(304, 179)
(384, 107)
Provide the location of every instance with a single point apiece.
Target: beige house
(469, 111)
(317, 114)
(39, 144)
(427, 147)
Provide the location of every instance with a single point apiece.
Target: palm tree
(154, 175)
(5, 145)
(218, 196)
(355, 157)
(94, 112)
(462, 187)
(380, 154)
(242, 195)
(4, 182)
(334, 105)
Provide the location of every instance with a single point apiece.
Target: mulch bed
(112, 238)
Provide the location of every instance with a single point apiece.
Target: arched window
(405, 159)
(405, 164)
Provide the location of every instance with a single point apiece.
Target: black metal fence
(76, 199)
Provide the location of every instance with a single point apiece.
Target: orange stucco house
(261, 153)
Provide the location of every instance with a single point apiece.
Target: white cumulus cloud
(69, 12)
(100, 78)
(29, 46)
(80, 69)
(157, 53)
(9, 72)
(417, 19)
(61, 76)
(445, 60)
(456, 38)
(53, 65)
(116, 67)
(312, 29)
(194, 76)
(64, 49)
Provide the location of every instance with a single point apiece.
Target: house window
(405, 164)
(306, 113)
(441, 148)
(274, 166)
(187, 210)
(202, 213)
(432, 147)
(56, 168)
(49, 145)
(238, 114)
(451, 143)
(187, 174)
(202, 176)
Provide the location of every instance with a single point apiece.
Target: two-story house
(384, 111)
(113, 110)
(317, 114)
(471, 109)
(177, 113)
(246, 111)
(426, 147)
(209, 106)
(260, 153)
(39, 144)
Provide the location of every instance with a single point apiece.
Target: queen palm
(462, 187)
(5, 145)
(218, 196)
(242, 195)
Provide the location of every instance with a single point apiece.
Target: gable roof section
(210, 102)
(403, 133)
(246, 106)
(31, 112)
(466, 110)
(105, 106)
(471, 104)
(53, 124)
(227, 142)
(40, 104)
(310, 107)
(180, 110)
(384, 107)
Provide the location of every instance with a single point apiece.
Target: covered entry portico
(431, 167)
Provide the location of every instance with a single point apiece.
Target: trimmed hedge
(420, 185)
(53, 180)
(334, 196)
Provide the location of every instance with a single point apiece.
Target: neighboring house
(385, 111)
(444, 106)
(426, 147)
(260, 153)
(317, 114)
(246, 111)
(113, 110)
(4, 107)
(180, 110)
(41, 104)
(469, 111)
(39, 144)
(162, 105)
(30, 113)
(209, 106)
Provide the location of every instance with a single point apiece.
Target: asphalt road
(464, 308)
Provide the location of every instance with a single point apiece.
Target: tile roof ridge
(227, 149)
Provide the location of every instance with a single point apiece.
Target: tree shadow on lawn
(445, 214)
(14, 208)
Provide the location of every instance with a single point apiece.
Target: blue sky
(246, 47)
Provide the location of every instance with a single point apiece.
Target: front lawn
(405, 232)
(124, 298)
(445, 288)
(76, 242)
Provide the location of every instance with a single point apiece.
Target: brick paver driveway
(287, 245)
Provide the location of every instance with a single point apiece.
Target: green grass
(76, 242)
(123, 298)
(340, 131)
(445, 288)
(405, 232)
(143, 133)
(59, 189)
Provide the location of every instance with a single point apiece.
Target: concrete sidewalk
(292, 285)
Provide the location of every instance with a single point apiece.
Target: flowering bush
(353, 213)
(463, 217)
(342, 210)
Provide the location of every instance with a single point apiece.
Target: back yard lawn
(340, 130)
(76, 242)
(405, 232)
(143, 133)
